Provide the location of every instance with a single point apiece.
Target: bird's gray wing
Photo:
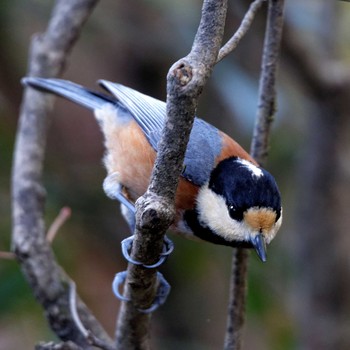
(205, 140)
(71, 91)
(148, 112)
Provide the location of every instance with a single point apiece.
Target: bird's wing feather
(205, 141)
(71, 91)
(205, 144)
(148, 112)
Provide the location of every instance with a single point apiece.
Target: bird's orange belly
(131, 156)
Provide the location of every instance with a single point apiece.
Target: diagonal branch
(259, 151)
(241, 31)
(7, 255)
(321, 75)
(61, 218)
(155, 210)
(47, 59)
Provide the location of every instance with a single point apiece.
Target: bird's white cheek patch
(213, 213)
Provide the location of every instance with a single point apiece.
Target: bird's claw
(160, 298)
(168, 247)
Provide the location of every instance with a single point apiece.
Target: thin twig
(241, 31)
(47, 59)
(61, 346)
(155, 210)
(7, 255)
(259, 150)
(90, 337)
(322, 75)
(74, 310)
(60, 219)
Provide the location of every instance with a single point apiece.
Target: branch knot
(181, 72)
(154, 212)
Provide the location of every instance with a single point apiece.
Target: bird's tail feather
(73, 92)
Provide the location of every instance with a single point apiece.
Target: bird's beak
(258, 243)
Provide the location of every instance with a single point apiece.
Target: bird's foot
(160, 298)
(168, 247)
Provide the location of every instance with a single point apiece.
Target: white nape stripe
(253, 168)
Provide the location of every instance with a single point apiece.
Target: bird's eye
(235, 213)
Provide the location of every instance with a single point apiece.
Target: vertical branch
(267, 86)
(323, 281)
(259, 151)
(48, 56)
(155, 210)
(236, 307)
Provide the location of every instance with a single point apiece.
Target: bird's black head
(241, 203)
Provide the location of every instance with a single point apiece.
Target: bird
(223, 197)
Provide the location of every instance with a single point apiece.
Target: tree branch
(62, 346)
(236, 306)
(267, 85)
(155, 210)
(7, 255)
(50, 286)
(259, 151)
(325, 80)
(61, 218)
(321, 75)
(241, 31)
(91, 338)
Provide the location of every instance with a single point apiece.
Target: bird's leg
(161, 295)
(168, 247)
(129, 217)
(113, 189)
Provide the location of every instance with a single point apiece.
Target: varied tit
(223, 196)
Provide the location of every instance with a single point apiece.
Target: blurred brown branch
(321, 75)
(322, 257)
(50, 286)
(7, 255)
(61, 218)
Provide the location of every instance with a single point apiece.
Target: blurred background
(300, 298)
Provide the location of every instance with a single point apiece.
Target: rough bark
(50, 286)
(155, 210)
